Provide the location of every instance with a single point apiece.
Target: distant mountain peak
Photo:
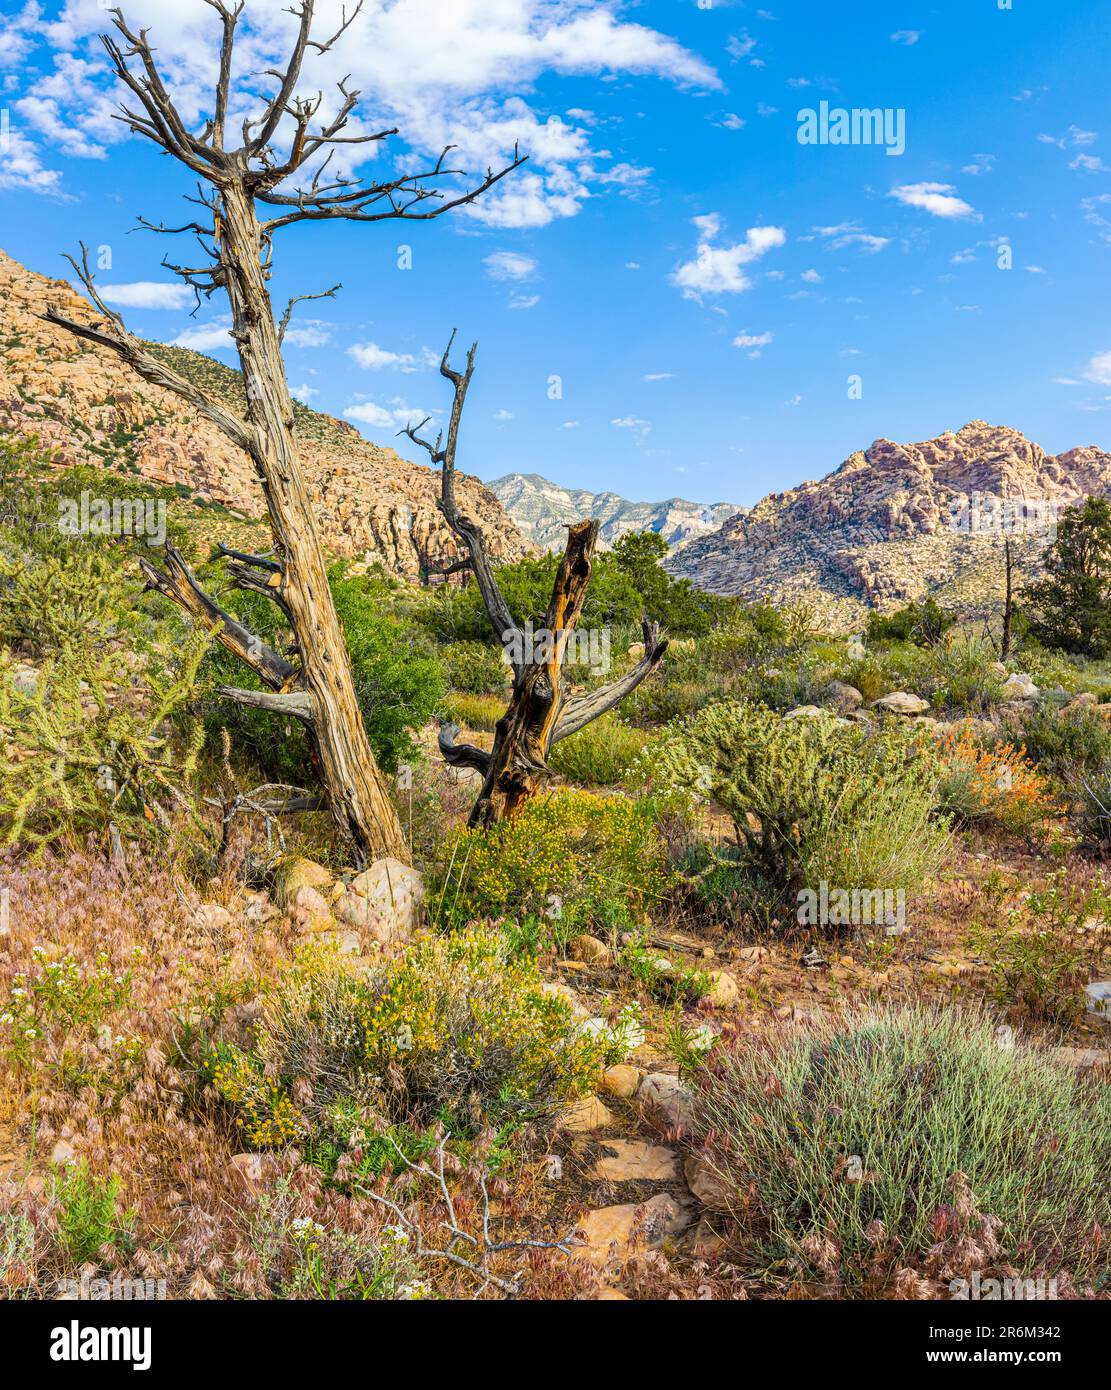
(543, 510)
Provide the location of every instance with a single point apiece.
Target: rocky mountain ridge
(896, 522)
(542, 509)
(89, 408)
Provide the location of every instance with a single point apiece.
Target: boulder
(383, 901)
(632, 1160)
(611, 1235)
(310, 911)
(844, 698)
(1019, 687)
(584, 1116)
(662, 1091)
(706, 1184)
(804, 712)
(621, 1081)
(901, 702)
(213, 917)
(293, 872)
(724, 992)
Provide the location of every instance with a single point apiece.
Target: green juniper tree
(1071, 604)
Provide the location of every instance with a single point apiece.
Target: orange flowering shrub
(997, 785)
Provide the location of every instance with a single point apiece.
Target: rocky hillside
(891, 524)
(542, 510)
(89, 408)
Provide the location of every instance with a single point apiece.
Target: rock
(611, 1296)
(254, 1169)
(632, 1160)
(24, 678)
(589, 950)
(621, 1081)
(662, 1091)
(706, 1183)
(752, 953)
(611, 1235)
(1085, 700)
(703, 1241)
(901, 702)
(584, 1116)
(844, 698)
(556, 989)
(213, 917)
(1083, 1059)
(310, 911)
(293, 873)
(383, 901)
(62, 1152)
(805, 712)
(636, 650)
(724, 992)
(1019, 687)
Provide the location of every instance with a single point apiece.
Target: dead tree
(292, 185)
(1008, 602)
(540, 713)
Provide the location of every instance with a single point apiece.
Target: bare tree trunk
(539, 713)
(1008, 604)
(319, 691)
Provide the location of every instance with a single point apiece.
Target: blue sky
(702, 285)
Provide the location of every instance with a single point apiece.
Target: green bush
(812, 799)
(451, 1028)
(922, 623)
(89, 1217)
(571, 859)
(965, 667)
(599, 755)
(474, 711)
(894, 1148)
(1067, 747)
(474, 668)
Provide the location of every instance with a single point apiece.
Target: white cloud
(524, 301)
(312, 333)
(373, 358)
(981, 164)
(394, 415)
(205, 336)
(938, 199)
(502, 416)
(730, 121)
(850, 234)
(463, 74)
(907, 37)
(630, 422)
(509, 265)
(657, 376)
(740, 46)
(811, 277)
(1089, 163)
(303, 393)
(1099, 369)
(717, 269)
(147, 294)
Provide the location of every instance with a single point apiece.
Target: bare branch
(581, 710)
(301, 299)
(143, 361)
(294, 703)
(180, 585)
(461, 754)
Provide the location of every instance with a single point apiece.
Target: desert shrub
(474, 668)
(811, 799)
(994, 785)
(79, 751)
(967, 673)
(398, 677)
(89, 1214)
(1070, 605)
(570, 858)
(892, 666)
(922, 623)
(839, 1150)
(474, 711)
(599, 755)
(53, 1024)
(674, 603)
(1067, 746)
(1042, 951)
(52, 603)
(452, 1027)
